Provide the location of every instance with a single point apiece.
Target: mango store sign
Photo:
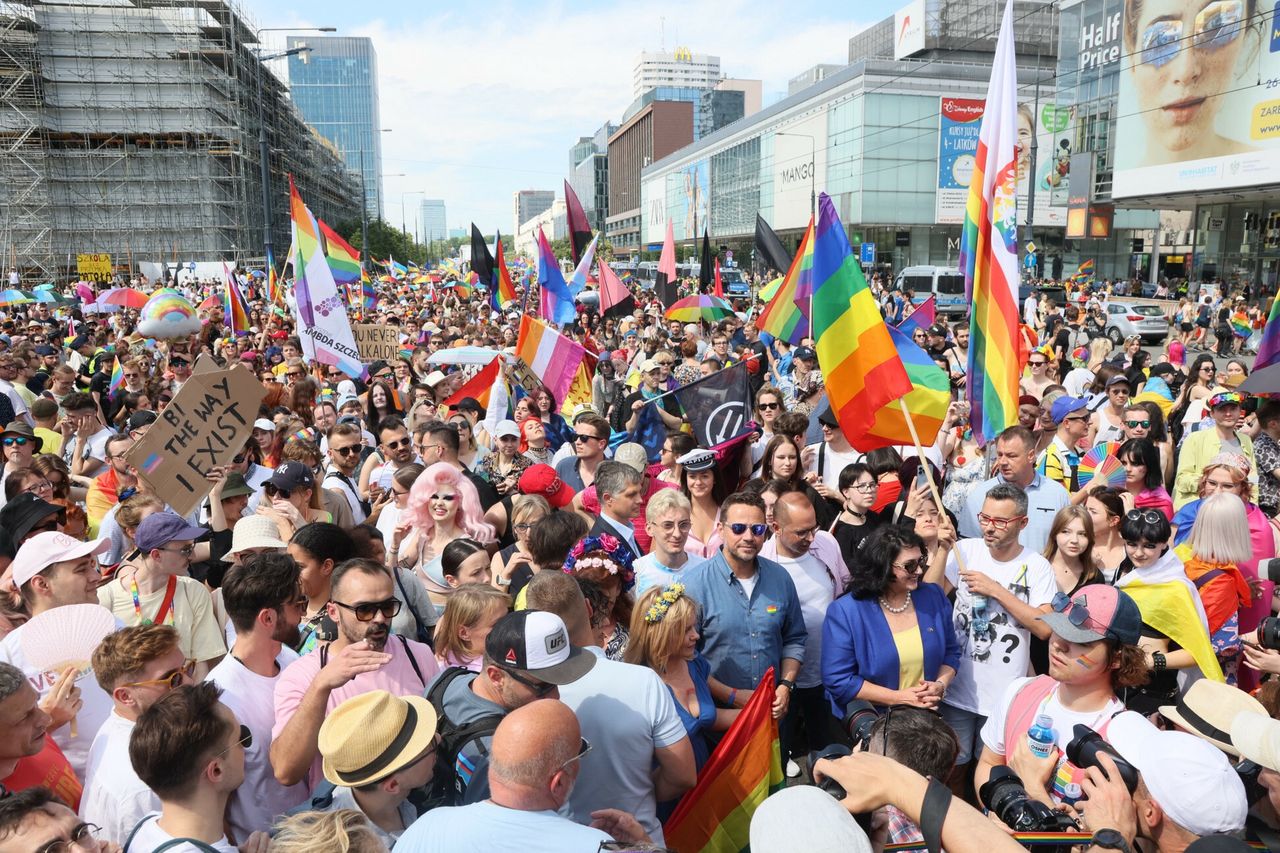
(205, 425)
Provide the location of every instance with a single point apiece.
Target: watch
(788, 683)
(1111, 839)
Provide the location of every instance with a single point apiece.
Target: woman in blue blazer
(890, 640)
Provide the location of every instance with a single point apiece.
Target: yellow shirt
(910, 657)
(52, 441)
(199, 636)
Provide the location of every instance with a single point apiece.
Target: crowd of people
(401, 621)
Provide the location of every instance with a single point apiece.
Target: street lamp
(264, 150)
(813, 168)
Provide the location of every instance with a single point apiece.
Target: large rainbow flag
(927, 401)
(859, 362)
(1269, 346)
(344, 261)
(715, 817)
(989, 252)
(234, 307)
(552, 357)
(786, 315)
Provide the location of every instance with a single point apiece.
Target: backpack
(448, 786)
(168, 845)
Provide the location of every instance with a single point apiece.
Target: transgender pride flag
(989, 251)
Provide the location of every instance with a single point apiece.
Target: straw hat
(370, 736)
(1207, 710)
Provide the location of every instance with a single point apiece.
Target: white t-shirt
(489, 827)
(989, 662)
(260, 799)
(95, 446)
(114, 797)
(813, 585)
(650, 572)
(150, 836)
(1064, 720)
(627, 713)
(97, 703)
(829, 463)
(1077, 381)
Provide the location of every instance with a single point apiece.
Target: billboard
(908, 30)
(653, 202)
(960, 119)
(799, 154)
(688, 193)
(1192, 112)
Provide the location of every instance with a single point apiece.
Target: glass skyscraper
(335, 86)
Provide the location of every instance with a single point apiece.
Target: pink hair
(470, 516)
(1177, 352)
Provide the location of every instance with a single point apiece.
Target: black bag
(447, 787)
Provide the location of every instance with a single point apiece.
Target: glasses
(997, 523)
(185, 550)
(672, 526)
(346, 451)
(767, 407)
(1150, 516)
(865, 488)
(583, 748)
(396, 445)
(293, 373)
(1079, 418)
(912, 567)
(81, 837)
(582, 436)
(245, 740)
(39, 488)
(540, 689)
(665, 363)
(172, 679)
(1137, 424)
(1208, 368)
(1216, 26)
(739, 529)
(425, 447)
(15, 441)
(522, 527)
(366, 610)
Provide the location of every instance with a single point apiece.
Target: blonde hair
(523, 506)
(664, 502)
(468, 604)
(1237, 475)
(1220, 533)
(340, 831)
(1065, 516)
(1099, 349)
(653, 643)
(133, 510)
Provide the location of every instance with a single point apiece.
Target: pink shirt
(397, 678)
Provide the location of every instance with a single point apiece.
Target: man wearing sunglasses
(345, 446)
(135, 666)
(20, 444)
(396, 446)
(364, 656)
(1060, 461)
(750, 618)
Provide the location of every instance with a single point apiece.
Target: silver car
(1127, 318)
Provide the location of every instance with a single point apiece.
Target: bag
(421, 632)
(448, 786)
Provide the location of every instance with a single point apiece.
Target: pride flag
(785, 317)
(551, 356)
(234, 307)
(583, 270)
(479, 386)
(858, 360)
(117, 377)
(989, 252)
(1269, 346)
(927, 401)
(922, 317)
(557, 301)
(502, 291)
(344, 261)
(715, 817)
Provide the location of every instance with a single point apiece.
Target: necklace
(895, 610)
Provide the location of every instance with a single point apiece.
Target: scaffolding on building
(131, 128)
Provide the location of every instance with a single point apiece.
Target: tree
(386, 240)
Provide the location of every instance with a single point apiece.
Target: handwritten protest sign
(376, 342)
(205, 425)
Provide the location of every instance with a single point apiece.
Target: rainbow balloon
(168, 314)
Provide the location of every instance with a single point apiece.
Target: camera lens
(1269, 633)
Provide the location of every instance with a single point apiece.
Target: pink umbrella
(211, 302)
(85, 292)
(125, 297)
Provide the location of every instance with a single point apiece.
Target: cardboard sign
(376, 342)
(205, 425)
(94, 266)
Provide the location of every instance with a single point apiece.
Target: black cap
(45, 349)
(140, 419)
(806, 353)
(469, 404)
(291, 476)
(377, 367)
(829, 418)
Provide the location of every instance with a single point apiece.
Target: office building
(681, 68)
(657, 130)
(526, 204)
(432, 224)
(810, 76)
(589, 174)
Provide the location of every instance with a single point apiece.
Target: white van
(945, 283)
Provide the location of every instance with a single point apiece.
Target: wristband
(787, 683)
(933, 813)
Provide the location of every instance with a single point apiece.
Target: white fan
(66, 636)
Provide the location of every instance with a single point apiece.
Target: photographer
(1093, 653)
(920, 740)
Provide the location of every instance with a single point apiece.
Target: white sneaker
(793, 769)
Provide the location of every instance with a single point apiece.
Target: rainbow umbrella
(211, 302)
(11, 296)
(699, 307)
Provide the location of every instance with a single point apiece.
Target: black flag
(770, 252)
(579, 227)
(481, 258)
(718, 406)
(705, 267)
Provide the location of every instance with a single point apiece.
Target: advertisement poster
(688, 194)
(960, 120)
(799, 164)
(1199, 99)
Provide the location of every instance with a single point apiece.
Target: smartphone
(921, 479)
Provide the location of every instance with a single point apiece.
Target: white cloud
(487, 101)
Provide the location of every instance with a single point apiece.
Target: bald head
(532, 743)
(794, 508)
(559, 593)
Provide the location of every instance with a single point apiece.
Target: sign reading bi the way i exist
(376, 342)
(205, 425)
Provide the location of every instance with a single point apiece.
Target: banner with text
(94, 267)
(376, 342)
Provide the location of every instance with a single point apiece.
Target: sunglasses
(767, 407)
(580, 436)
(1216, 26)
(15, 441)
(245, 740)
(912, 567)
(1150, 516)
(739, 529)
(396, 445)
(365, 611)
(1136, 424)
(540, 689)
(346, 451)
(173, 679)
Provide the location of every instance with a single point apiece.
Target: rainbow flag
(989, 252)
(234, 307)
(557, 301)
(858, 360)
(746, 767)
(344, 261)
(1240, 325)
(273, 283)
(117, 377)
(1269, 346)
(479, 386)
(786, 315)
(927, 401)
(502, 290)
(551, 356)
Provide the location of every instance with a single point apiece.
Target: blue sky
(486, 99)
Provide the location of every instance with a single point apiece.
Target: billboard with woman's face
(1199, 105)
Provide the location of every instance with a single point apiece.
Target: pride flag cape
(989, 252)
(551, 356)
(786, 315)
(715, 817)
(234, 307)
(557, 301)
(1168, 608)
(1269, 346)
(857, 357)
(927, 401)
(344, 261)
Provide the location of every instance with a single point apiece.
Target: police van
(945, 283)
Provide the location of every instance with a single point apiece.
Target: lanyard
(164, 616)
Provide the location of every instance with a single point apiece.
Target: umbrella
(211, 302)
(699, 307)
(1263, 383)
(43, 294)
(464, 355)
(125, 297)
(14, 297)
(257, 273)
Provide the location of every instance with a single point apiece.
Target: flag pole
(928, 472)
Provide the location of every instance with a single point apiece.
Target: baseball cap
(45, 349)
(1257, 737)
(827, 826)
(161, 528)
(139, 419)
(806, 353)
(264, 423)
(506, 427)
(632, 455)
(44, 549)
(1226, 398)
(1095, 612)
(1064, 406)
(1207, 710)
(1117, 379)
(543, 480)
(535, 643)
(649, 365)
(291, 476)
(938, 330)
(1191, 779)
(697, 460)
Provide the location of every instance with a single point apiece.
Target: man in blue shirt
(750, 616)
(1016, 464)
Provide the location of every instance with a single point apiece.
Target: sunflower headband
(658, 610)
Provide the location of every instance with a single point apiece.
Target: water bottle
(1071, 794)
(979, 605)
(1041, 737)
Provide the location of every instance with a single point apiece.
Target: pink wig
(470, 516)
(1177, 353)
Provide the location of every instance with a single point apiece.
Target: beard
(376, 635)
(288, 635)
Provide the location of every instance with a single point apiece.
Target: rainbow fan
(1101, 461)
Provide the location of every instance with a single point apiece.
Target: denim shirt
(741, 637)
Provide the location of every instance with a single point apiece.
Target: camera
(1006, 797)
(859, 716)
(1269, 632)
(831, 751)
(1248, 772)
(1083, 752)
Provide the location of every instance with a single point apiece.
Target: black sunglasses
(365, 611)
(540, 688)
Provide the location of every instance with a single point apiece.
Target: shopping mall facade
(1115, 177)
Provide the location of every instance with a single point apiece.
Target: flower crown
(658, 610)
(616, 560)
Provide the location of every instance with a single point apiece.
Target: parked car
(1053, 291)
(1127, 318)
